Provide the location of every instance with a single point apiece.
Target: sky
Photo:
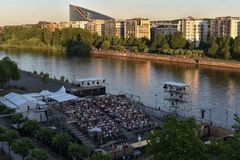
(31, 11)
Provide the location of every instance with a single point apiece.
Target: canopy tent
(18, 100)
(95, 129)
(7, 103)
(62, 97)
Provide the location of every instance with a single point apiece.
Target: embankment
(174, 59)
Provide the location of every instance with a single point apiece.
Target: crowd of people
(124, 112)
(92, 120)
(107, 113)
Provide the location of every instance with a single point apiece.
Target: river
(215, 90)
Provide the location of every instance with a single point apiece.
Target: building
(96, 26)
(165, 27)
(138, 28)
(225, 26)
(115, 28)
(52, 26)
(195, 29)
(77, 13)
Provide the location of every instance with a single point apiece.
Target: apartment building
(96, 26)
(138, 28)
(115, 28)
(225, 26)
(195, 29)
(165, 27)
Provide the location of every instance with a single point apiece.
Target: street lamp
(156, 100)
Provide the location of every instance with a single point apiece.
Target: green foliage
(105, 45)
(100, 156)
(9, 136)
(61, 140)
(179, 139)
(30, 126)
(119, 48)
(236, 47)
(45, 78)
(177, 41)
(39, 154)
(8, 71)
(17, 118)
(134, 49)
(62, 79)
(23, 146)
(74, 150)
(2, 129)
(45, 135)
(6, 110)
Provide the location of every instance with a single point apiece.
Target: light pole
(156, 100)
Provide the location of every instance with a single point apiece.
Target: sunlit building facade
(115, 28)
(138, 28)
(225, 26)
(195, 29)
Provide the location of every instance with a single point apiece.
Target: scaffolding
(177, 98)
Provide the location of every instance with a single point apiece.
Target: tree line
(81, 41)
(182, 139)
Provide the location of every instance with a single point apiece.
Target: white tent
(96, 129)
(18, 100)
(59, 96)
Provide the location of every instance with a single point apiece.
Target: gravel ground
(33, 83)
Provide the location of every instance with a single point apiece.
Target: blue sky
(32, 11)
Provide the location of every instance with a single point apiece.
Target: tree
(84, 151)
(23, 147)
(9, 136)
(61, 140)
(236, 47)
(17, 119)
(213, 49)
(45, 135)
(8, 71)
(39, 154)
(45, 78)
(177, 41)
(74, 151)
(224, 47)
(179, 139)
(105, 45)
(30, 127)
(100, 156)
(216, 149)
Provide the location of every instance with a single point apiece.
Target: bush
(188, 52)
(119, 48)
(105, 45)
(134, 49)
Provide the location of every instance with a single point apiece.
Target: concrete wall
(175, 59)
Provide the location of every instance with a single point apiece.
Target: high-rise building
(138, 28)
(225, 26)
(96, 26)
(195, 29)
(115, 28)
(77, 13)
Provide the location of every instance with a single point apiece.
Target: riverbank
(38, 48)
(174, 59)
